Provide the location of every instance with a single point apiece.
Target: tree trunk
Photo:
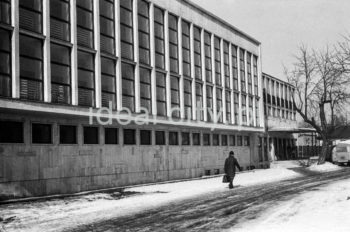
(324, 152)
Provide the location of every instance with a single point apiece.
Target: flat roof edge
(220, 20)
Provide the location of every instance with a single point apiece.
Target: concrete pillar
(136, 58)
(15, 49)
(74, 53)
(118, 53)
(46, 52)
(153, 58)
(98, 92)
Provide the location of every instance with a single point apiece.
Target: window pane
(111, 136)
(173, 138)
(160, 138)
(41, 133)
(129, 137)
(185, 138)
(91, 135)
(196, 139)
(68, 134)
(145, 137)
(11, 132)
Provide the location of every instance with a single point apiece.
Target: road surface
(217, 211)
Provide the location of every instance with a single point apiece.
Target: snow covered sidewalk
(325, 209)
(60, 214)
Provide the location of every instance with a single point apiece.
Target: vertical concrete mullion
(15, 49)
(167, 62)
(212, 42)
(118, 53)
(98, 92)
(246, 85)
(231, 83)
(181, 82)
(253, 88)
(46, 51)
(136, 57)
(223, 81)
(74, 53)
(239, 87)
(153, 58)
(204, 78)
(194, 103)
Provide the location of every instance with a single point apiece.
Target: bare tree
(321, 84)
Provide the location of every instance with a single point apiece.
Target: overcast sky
(282, 25)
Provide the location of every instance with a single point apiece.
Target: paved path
(217, 211)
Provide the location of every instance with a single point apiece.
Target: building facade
(280, 118)
(67, 66)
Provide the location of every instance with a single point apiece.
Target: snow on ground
(59, 214)
(326, 209)
(326, 167)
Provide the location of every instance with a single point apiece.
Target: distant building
(62, 61)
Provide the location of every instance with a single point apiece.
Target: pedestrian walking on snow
(230, 168)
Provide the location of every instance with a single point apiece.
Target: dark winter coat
(230, 166)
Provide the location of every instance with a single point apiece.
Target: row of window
(12, 132)
(31, 57)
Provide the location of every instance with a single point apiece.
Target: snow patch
(326, 167)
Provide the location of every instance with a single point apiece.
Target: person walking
(230, 168)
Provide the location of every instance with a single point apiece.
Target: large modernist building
(61, 61)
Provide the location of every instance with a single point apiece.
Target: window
(255, 73)
(86, 79)
(159, 38)
(68, 134)
(234, 67)
(244, 109)
(144, 32)
(60, 20)
(242, 69)
(5, 9)
(219, 105)
(196, 139)
(246, 141)
(239, 141)
(251, 118)
(185, 138)
(175, 96)
(160, 138)
(145, 137)
(173, 138)
(217, 61)
(232, 140)
(126, 29)
(257, 112)
(207, 50)
(186, 49)
(107, 27)
(30, 15)
(85, 23)
(11, 132)
(161, 93)
(188, 98)
(209, 103)
(41, 133)
(236, 107)
(227, 64)
(173, 44)
(249, 71)
(5, 64)
(197, 53)
(108, 82)
(31, 68)
(111, 136)
(60, 74)
(216, 140)
(228, 106)
(199, 101)
(128, 86)
(206, 139)
(129, 137)
(224, 140)
(145, 89)
(91, 135)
